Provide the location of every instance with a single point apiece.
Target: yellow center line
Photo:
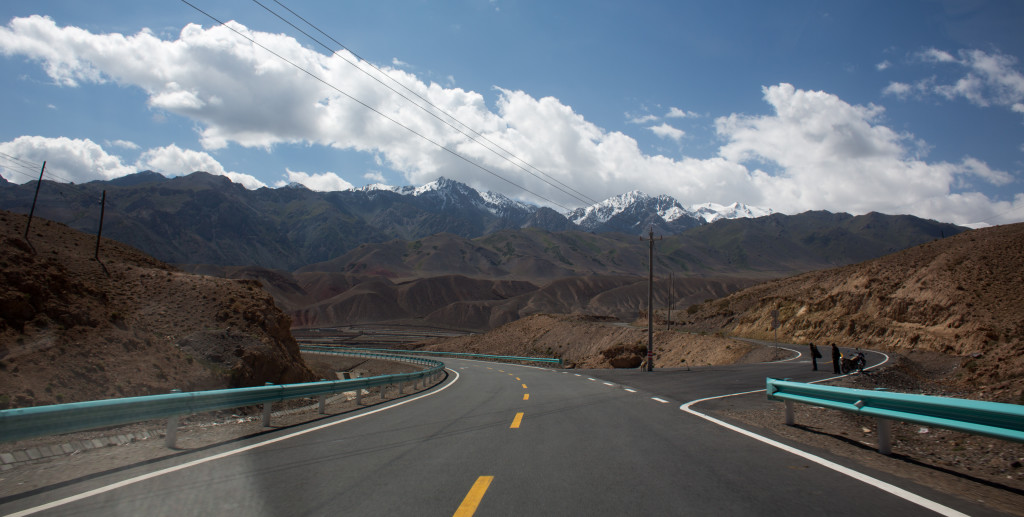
(517, 378)
(526, 396)
(516, 421)
(524, 386)
(472, 500)
(502, 371)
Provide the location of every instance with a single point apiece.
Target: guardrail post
(790, 419)
(359, 396)
(322, 406)
(267, 407)
(401, 386)
(171, 438)
(885, 436)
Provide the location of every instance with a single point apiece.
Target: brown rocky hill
(462, 302)
(583, 341)
(73, 328)
(961, 296)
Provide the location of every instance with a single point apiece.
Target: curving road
(506, 440)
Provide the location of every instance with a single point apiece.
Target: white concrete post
(267, 408)
(401, 386)
(790, 419)
(171, 438)
(322, 406)
(885, 436)
(359, 397)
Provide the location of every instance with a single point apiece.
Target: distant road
(506, 440)
(684, 385)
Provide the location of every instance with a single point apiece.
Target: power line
(19, 166)
(570, 191)
(371, 108)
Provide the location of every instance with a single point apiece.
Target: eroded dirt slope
(962, 296)
(73, 328)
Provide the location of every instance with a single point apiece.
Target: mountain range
(444, 254)
(202, 218)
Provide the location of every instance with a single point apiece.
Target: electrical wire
(571, 192)
(371, 108)
(30, 167)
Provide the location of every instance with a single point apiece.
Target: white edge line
(183, 466)
(877, 483)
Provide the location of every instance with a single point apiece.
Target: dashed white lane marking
(663, 401)
(631, 390)
(591, 379)
(608, 384)
(183, 466)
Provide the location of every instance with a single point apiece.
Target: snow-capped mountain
(636, 212)
(711, 212)
(450, 194)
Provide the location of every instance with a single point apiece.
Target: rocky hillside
(961, 296)
(594, 342)
(73, 328)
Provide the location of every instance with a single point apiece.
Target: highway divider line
(200, 461)
(516, 421)
(473, 498)
(526, 396)
(524, 386)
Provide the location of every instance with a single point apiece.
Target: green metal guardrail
(1003, 421)
(21, 423)
(548, 360)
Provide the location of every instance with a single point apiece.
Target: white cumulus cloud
(814, 151)
(675, 112)
(323, 182)
(985, 78)
(833, 154)
(67, 159)
(374, 176)
(667, 131)
(172, 160)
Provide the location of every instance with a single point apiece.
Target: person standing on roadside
(836, 357)
(815, 354)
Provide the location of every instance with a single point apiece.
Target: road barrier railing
(998, 420)
(21, 423)
(457, 355)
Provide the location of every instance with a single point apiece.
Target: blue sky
(896, 107)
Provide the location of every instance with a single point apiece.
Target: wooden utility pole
(33, 209)
(650, 304)
(99, 233)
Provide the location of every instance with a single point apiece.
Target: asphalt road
(513, 440)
